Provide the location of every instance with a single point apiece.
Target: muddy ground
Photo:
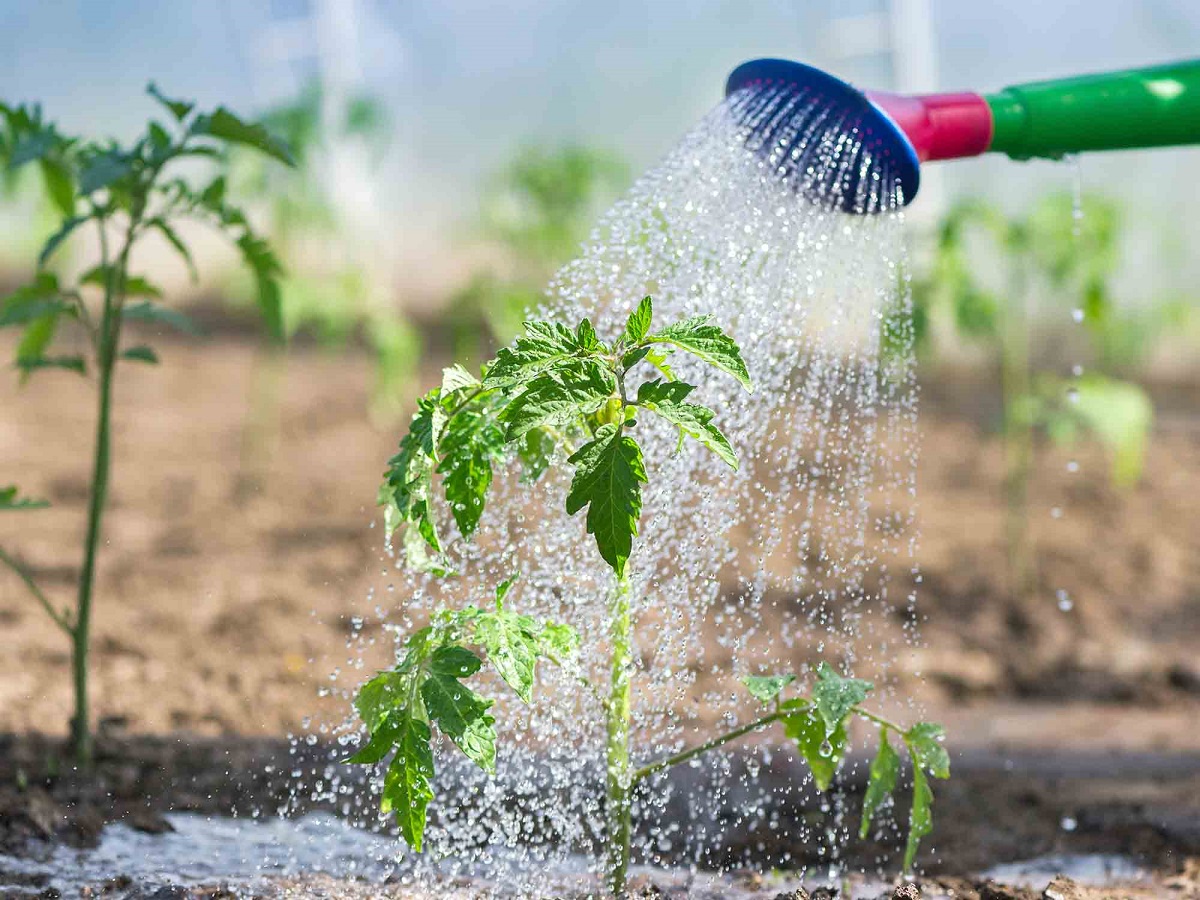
(231, 573)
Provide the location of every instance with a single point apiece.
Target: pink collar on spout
(939, 126)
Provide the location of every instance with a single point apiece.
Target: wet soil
(237, 558)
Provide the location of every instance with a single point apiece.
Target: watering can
(1158, 106)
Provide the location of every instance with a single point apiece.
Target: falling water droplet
(1065, 603)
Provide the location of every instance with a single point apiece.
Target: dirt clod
(907, 892)
(1062, 888)
(798, 894)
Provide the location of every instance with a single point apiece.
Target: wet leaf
(766, 687)
(708, 342)
(407, 787)
(881, 781)
(609, 473)
(920, 817)
(570, 390)
(462, 715)
(924, 741)
(822, 750)
(639, 322)
(834, 695)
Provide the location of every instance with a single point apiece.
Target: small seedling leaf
(924, 741)
(407, 787)
(141, 354)
(463, 716)
(638, 325)
(512, 646)
(834, 696)
(920, 817)
(766, 688)
(822, 750)
(881, 781)
(10, 499)
(178, 108)
(573, 388)
(224, 125)
(151, 312)
(55, 240)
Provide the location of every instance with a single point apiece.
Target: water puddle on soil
(251, 853)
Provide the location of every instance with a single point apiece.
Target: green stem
(683, 756)
(109, 341)
(619, 781)
(59, 618)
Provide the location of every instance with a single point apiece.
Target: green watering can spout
(1157, 106)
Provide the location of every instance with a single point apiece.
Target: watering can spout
(1158, 106)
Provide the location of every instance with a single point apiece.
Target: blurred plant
(538, 209)
(126, 193)
(1068, 253)
(328, 294)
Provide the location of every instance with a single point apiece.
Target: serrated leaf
(380, 697)
(707, 342)
(512, 646)
(609, 472)
(696, 422)
(881, 781)
(834, 695)
(55, 240)
(920, 817)
(379, 744)
(823, 751)
(558, 642)
(408, 480)
(633, 357)
(766, 688)
(554, 399)
(150, 312)
(407, 787)
(924, 742)
(462, 715)
(585, 336)
(141, 354)
(224, 125)
(455, 378)
(638, 325)
(544, 344)
(471, 442)
(454, 661)
(178, 108)
(503, 588)
(10, 499)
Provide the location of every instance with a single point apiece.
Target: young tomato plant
(124, 193)
(564, 389)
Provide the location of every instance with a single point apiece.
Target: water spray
(889, 136)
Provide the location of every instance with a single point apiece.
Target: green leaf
(265, 266)
(454, 661)
(924, 742)
(881, 782)
(150, 312)
(380, 696)
(469, 446)
(1121, 415)
(224, 125)
(609, 472)
(462, 715)
(29, 364)
(558, 397)
(920, 817)
(135, 285)
(638, 325)
(103, 169)
(37, 337)
(176, 241)
(585, 336)
(512, 645)
(696, 422)
(379, 744)
(766, 687)
(455, 378)
(834, 696)
(33, 301)
(557, 642)
(60, 186)
(407, 786)
(544, 344)
(821, 749)
(179, 108)
(408, 481)
(11, 500)
(503, 588)
(707, 342)
(141, 354)
(31, 147)
(55, 240)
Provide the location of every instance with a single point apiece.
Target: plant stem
(683, 756)
(59, 618)
(619, 781)
(109, 339)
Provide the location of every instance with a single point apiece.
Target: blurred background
(452, 156)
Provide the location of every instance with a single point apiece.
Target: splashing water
(790, 559)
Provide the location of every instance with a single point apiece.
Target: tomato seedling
(563, 396)
(125, 193)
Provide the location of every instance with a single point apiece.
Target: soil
(215, 554)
